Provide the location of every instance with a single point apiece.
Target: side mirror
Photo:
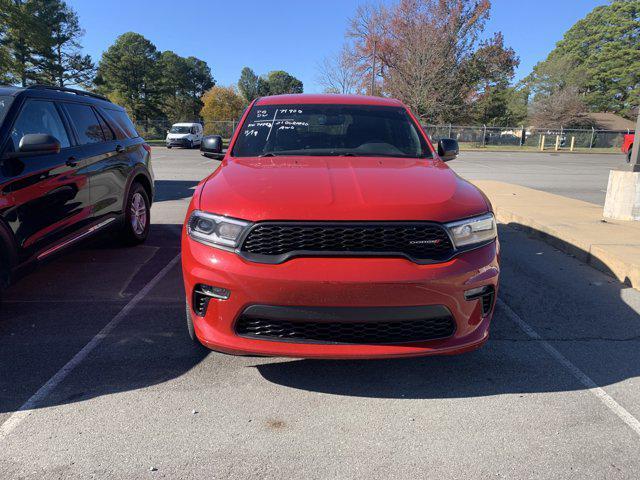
(38, 144)
(211, 147)
(448, 149)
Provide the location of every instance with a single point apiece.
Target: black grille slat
(200, 301)
(487, 302)
(422, 241)
(347, 332)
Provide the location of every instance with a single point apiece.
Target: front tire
(629, 154)
(191, 329)
(137, 216)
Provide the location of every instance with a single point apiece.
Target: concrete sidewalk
(573, 226)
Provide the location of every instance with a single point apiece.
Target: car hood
(339, 188)
(177, 135)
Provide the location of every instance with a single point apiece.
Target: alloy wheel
(138, 214)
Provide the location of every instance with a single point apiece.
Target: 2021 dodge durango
(333, 228)
(71, 165)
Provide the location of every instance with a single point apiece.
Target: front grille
(346, 332)
(418, 241)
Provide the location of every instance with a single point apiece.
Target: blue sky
(294, 35)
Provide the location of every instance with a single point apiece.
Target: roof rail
(69, 90)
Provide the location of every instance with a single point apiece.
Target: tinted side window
(108, 133)
(122, 121)
(39, 116)
(86, 123)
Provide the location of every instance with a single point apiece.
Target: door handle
(72, 162)
(119, 148)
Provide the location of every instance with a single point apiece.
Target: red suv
(334, 229)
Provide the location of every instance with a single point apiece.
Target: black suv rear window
(86, 123)
(326, 130)
(119, 118)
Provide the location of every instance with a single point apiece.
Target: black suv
(71, 165)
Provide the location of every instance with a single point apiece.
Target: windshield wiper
(268, 154)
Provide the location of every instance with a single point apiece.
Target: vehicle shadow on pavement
(589, 317)
(50, 314)
(53, 313)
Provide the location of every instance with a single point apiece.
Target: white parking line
(25, 410)
(582, 377)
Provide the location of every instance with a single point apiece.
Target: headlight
(216, 230)
(473, 231)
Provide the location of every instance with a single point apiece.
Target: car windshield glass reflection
(330, 130)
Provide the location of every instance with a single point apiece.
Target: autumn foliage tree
(221, 104)
(428, 54)
(490, 71)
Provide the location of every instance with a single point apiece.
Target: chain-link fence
(541, 138)
(475, 136)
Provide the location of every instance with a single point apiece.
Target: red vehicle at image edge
(334, 229)
(627, 145)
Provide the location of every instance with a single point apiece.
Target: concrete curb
(572, 226)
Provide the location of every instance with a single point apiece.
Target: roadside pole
(373, 69)
(623, 191)
(634, 166)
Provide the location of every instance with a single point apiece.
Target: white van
(188, 135)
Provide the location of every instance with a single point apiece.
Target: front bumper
(177, 142)
(339, 282)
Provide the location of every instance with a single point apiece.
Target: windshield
(5, 103)
(353, 130)
(177, 129)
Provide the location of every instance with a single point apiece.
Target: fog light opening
(486, 294)
(202, 295)
(213, 292)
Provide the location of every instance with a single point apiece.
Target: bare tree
(339, 73)
(564, 107)
(423, 48)
(367, 29)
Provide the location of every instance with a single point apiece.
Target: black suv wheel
(137, 216)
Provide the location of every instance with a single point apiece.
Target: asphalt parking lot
(98, 378)
(582, 176)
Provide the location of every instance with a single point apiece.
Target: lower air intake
(374, 332)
